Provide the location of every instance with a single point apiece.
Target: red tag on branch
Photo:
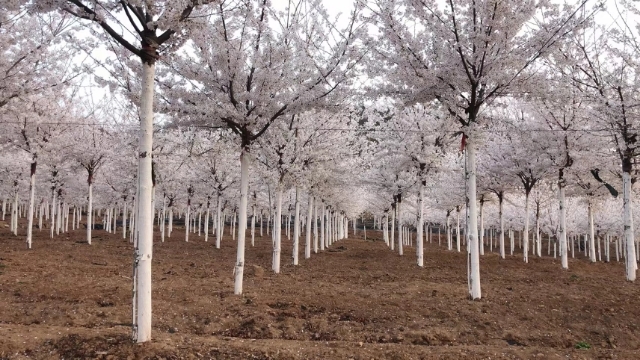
(463, 143)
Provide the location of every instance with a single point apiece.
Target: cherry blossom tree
(606, 69)
(35, 58)
(93, 150)
(254, 65)
(150, 29)
(465, 54)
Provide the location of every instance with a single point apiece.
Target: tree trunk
(170, 226)
(419, 242)
(562, 229)
(501, 216)
(458, 237)
(481, 235)
(233, 225)
(206, 224)
(449, 237)
(219, 223)
(244, 194)
(400, 249)
(307, 245)
(628, 227)
(296, 229)
(538, 238)
(278, 231)
(52, 214)
(385, 228)
(526, 228)
(472, 227)
(393, 228)
(253, 225)
(32, 195)
(187, 222)
(144, 219)
(592, 238)
(315, 226)
(322, 226)
(90, 210)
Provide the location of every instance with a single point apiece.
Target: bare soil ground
(65, 299)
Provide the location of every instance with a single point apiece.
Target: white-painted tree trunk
(328, 229)
(206, 224)
(253, 225)
(144, 218)
(58, 218)
(393, 228)
(244, 195)
(458, 237)
(73, 222)
(124, 220)
(89, 213)
(277, 246)
(385, 228)
(170, 225)
(562, 234)
(322, 225)
(186, 221)
(472, 227)
(307, 244)
(315, 226)
(592, 235)
(501, 239)
(400, 248)
(32, 195)
(526, 228)
(219, 223)
(449, 235)
(296, 230)
(481, 235)
(538, 238)
(419, 227)
(630, 257)
(114, 221)
(53, 213)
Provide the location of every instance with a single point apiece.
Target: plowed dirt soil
(65, 299)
